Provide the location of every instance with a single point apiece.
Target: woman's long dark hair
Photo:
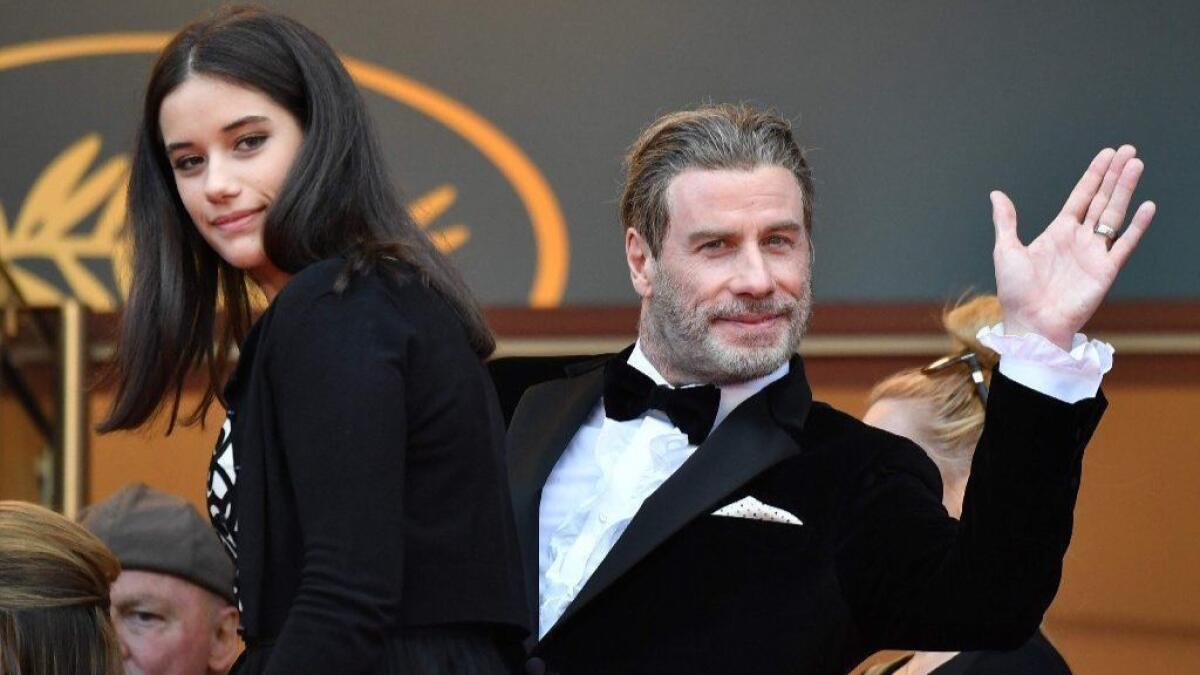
(337, 200)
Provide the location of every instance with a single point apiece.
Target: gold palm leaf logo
(51, 226)
(48, 225)
(427, 208)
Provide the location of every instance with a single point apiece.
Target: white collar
(732, 395)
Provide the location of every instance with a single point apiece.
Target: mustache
(774, 305)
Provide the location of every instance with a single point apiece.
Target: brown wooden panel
(20, 452)
(842, 318)
(1135, 554)
(177, 463)
(1115, 649)
(1159, 316)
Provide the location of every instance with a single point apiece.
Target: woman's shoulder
(343, 284)
(389, 293)
(311, 282)
(1038, 656)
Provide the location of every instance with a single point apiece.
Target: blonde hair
(957, 409)
(54, 584)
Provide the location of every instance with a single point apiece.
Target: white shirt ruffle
(1039, 364)
(598, 485)
(627, 475)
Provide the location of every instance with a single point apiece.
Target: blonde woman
(941, 408)
(54, 581)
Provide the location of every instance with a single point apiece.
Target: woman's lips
(232, 221)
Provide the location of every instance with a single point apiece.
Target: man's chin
(743, 345)
(743, 363)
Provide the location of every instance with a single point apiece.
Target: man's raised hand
(1053, 286)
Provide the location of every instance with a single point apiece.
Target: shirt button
(604, 518)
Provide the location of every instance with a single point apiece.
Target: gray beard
(679, 340)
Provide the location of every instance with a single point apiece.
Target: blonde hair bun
(965, 319)
(957, 411)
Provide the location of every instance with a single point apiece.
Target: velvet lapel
(543, 425)
(959, 665)
(760, 433)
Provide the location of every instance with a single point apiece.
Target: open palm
(1053, 286)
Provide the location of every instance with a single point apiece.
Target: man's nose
(753, 275)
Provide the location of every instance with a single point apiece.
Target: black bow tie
(628, 394)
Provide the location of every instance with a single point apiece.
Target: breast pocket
(753, 545)
(758, 568)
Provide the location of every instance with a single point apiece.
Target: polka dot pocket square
(753, 509)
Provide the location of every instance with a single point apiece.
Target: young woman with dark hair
(359, 479)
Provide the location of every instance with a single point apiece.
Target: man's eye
(714, 245)
(251, 142)
(778, 240)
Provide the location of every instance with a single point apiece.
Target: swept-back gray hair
(713, 137)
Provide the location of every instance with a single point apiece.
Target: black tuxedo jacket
(877, 562)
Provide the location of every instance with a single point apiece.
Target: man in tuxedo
(686, 507)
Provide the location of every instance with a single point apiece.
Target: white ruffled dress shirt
(610, 467)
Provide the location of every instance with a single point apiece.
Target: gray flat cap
(154, 531)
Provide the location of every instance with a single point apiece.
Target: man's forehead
(146, 586)
(717, 231)
(766, 196)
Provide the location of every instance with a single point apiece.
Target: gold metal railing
(43, 400)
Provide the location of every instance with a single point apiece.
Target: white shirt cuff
(1043, 366)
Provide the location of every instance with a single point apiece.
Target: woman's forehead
(205, 103)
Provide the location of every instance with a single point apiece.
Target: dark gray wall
(912, 111)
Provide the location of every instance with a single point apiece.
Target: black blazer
(876, 564)
(371, 484)
(1036, 657)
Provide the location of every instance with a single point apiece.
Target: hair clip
(971, 361)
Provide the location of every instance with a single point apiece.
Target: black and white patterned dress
(221, 494)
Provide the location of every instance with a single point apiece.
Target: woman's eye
(187, 162)
(251, 142)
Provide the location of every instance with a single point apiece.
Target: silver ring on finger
(1105, 231)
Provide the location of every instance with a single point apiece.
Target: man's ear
(641, 263)
(225, 644)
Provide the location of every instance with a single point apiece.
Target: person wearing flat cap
(173, 602)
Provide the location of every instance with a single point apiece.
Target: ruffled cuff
(1043, 366)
